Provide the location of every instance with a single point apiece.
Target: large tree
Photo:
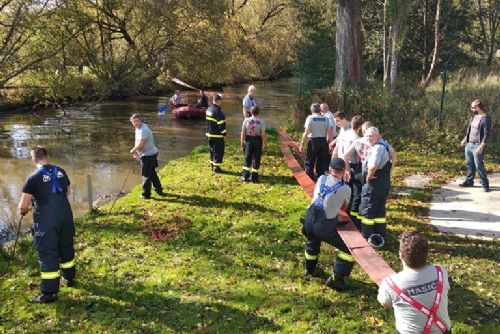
(349, 43)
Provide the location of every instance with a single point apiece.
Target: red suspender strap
(431, 314)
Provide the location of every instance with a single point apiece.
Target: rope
(13, 253)
(131, 169)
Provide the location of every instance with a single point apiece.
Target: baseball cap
(337, 164)
(217, 97)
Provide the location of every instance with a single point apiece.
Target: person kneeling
(419, 293)
(331, 194)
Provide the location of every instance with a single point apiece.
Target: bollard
(89, 193)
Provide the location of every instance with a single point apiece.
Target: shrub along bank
(233, 260)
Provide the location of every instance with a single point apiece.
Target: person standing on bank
(145, 148)
(331, 194)
(216, 133)
(253, 135)
(318, 134)
(475, 140)
(53, 228)
(249, 102)
(419, 293)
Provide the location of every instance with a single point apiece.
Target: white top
(334, 201)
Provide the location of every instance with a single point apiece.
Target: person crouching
(331, 195)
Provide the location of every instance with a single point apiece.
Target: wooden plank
(367, 258)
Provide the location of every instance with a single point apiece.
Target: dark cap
(337, 164)
(217, 97)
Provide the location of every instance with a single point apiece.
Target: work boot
(309, 266)
(70, 283)
(466, 184)
(44, 298)
(217, 170)
(160, 193)
(337, 283)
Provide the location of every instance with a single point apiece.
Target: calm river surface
(96, 142)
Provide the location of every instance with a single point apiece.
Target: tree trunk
(425, 48)
(395, 55)
(437, 43)
(386, 51)
(348, 64)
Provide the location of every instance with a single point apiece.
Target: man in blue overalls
(53, 229)
(320, 224)
(377, 184)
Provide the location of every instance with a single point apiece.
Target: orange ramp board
(367, 258)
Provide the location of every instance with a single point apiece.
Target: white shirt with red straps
(413, 297)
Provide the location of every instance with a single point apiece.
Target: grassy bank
(233, 263)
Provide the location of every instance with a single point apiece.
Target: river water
(95, 140)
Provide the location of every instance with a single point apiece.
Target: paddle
(224, 96)
(162, 109)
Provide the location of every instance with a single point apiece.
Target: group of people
(357, 181)
(368, 161)
(253, 138)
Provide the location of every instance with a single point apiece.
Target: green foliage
(410, 117)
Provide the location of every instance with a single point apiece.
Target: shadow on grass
(118, 306)
(211, 202)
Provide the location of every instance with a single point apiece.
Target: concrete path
(468, 212)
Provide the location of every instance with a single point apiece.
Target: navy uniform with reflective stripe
(374, 193)
(317, 156)
(320, 224)
(53, 228)
(216, 130)
(253, 127)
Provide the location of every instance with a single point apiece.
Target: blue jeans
(475, 163)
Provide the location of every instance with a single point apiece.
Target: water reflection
(95, 141)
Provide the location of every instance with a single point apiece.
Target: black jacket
(216, 122)
(484, 129)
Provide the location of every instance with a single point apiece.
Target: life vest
(325, 191)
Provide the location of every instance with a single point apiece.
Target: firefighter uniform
(374, 193)
(216, 131)
(360, 148)
(320, 225)
(317, 145)
(253, 127)
(53, 228)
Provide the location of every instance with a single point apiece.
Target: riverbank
(233, 260)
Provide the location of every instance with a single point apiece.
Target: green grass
(234, 261)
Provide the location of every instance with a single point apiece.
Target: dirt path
(468, 211)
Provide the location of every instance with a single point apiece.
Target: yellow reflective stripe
(67, 265)
(355, 214)
(254, 170)
(50, 274)
(345, 256)
(367, 221)
(220, 122)
(380, 220)
(310, 257)
(211, 119)
(223, 131)
(246, 168)
(214, 136)
(217, 163)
